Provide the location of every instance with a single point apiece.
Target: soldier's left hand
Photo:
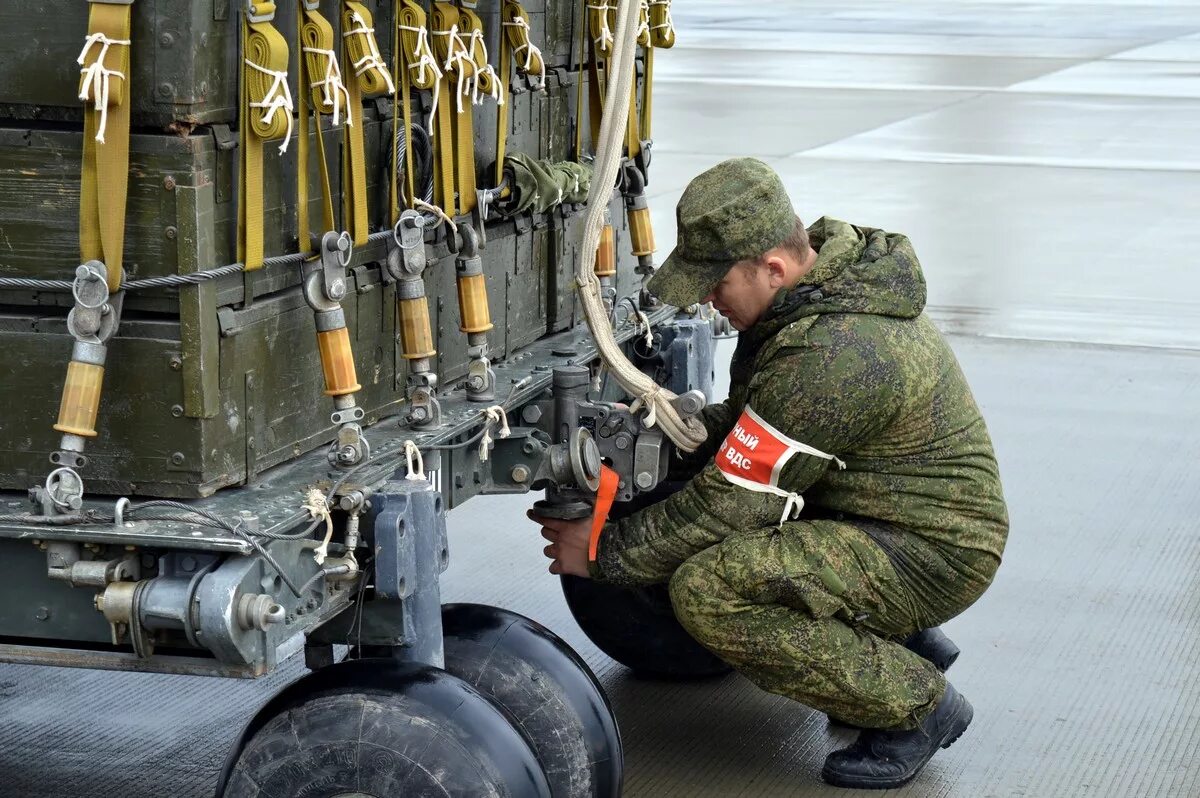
(568, 544)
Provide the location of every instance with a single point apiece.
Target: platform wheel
(637, 627)
(380, 729)
(547, 690)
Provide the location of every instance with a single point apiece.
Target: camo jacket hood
(847, 364)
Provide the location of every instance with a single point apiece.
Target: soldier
(848, 496)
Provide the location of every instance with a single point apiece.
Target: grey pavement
(1044, 159)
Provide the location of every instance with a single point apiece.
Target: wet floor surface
(1044, 159)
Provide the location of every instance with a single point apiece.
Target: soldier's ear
(776, 270)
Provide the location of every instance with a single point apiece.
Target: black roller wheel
(381, 729)
(638, 629)
(548, 691)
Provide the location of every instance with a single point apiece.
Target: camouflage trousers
(813, 611)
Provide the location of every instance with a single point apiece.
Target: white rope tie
(314, 502)
(644, 320)
(483, 71)
(97, 79)
(278, 98)
(421, 204)
(605, 39)
(495, 415)
(531, 49)
(643, 28)
(456, 51)
(372, 60)
(668, 21)
(414, 462)
(423, 53)
(331, 85)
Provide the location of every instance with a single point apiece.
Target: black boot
(933, 645)
(930, 644)
(884, 758)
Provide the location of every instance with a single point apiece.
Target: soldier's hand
(568, 547)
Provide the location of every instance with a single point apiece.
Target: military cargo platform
(1045, 160)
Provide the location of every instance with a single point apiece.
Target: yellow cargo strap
(416, 68)
(662, 26)
(328, 95)
(458, 44)
(643, 31)
(371, 78)
(266, 111)
(515, 43)
(104, 84)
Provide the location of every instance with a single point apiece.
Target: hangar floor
(1043, 157)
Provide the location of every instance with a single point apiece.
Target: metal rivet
(177, 458)
(177, 411)
(170, 233)
(176, 363)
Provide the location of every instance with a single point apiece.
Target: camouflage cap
(735, 211)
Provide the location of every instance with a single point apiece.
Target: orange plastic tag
(605, 495)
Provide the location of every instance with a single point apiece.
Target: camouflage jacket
(847, 363)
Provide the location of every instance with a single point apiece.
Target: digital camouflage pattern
(905, 537)
(734, 211)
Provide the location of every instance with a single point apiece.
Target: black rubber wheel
(383, 729)
(548, 691)
(638, 629)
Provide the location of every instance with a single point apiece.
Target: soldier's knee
(699, 597)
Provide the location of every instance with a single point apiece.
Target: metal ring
(349, 249)
(396, 236)
(51, 481)
(96, 277)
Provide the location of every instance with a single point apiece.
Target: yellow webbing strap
(266, 105)
(417, 68)
(662, 26)
(104, 85)
(370, 79)
(643, 31)
(579, 112)
(327, 95)
(455, 136)
(515, 43)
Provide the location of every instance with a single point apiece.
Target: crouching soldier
(847, 501)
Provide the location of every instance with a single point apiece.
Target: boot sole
(866, 783)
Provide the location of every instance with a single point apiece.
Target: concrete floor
(1043, 158)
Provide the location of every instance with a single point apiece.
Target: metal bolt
(169, 183)
(177, 458)
(250, 443)
(177, 411)
(347, 455)
(166, 89)
(529, 447)
(644, 480)
(475, 383)
(176, 363)
(419, 415)
(622, 442)
(43, 613)
(520, 473)
(531, 414)
(166, 40)
(188, 564)
(170, 233)
(337, 290)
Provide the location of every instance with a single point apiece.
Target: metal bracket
(253, 15)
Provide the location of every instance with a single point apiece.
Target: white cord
(686, 434)
(97, 79)
(315, 503)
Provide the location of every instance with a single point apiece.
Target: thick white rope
(686, 434)
(96, 81)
